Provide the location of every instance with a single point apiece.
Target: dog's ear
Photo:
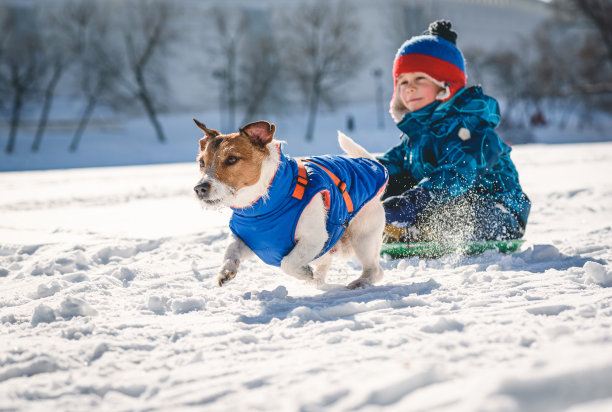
(206, 130)
(260, 133)
(209, 133)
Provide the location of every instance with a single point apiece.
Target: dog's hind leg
(310, 237)
(236, 251)
(366, 239)
(322, 265)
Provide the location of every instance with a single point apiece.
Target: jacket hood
(468, 103)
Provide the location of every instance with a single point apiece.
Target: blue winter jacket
(450, 148)
(268, 225)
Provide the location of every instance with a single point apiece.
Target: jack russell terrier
(293, 212)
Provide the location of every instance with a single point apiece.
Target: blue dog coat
(268, 225)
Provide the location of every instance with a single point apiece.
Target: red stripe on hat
(439, 69)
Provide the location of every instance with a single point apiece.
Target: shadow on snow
(337, 303)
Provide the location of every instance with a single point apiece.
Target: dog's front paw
(227, 272)
(225, 277)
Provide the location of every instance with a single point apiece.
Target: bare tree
(549, 77)
(509, 74)
(245, 59)
(230, 32)
(406, 19)
(97, 72)
(20, 67)
(260, 79)
(321, 53)
(148, 32)
(5, 92)
(597, 14)
(572, 71)
(65, 35)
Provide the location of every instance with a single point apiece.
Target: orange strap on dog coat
(302, 182)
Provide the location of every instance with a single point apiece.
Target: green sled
(433, 250)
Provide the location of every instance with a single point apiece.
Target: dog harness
(268, 225)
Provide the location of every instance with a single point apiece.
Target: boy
(451, 176)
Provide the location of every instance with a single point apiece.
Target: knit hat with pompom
(435, 54)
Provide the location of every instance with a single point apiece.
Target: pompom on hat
(435, 54)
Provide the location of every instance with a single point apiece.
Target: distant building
(482, 24)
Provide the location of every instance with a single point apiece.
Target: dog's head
(231, 165)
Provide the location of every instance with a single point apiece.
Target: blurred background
(116, 82)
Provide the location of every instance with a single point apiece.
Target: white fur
(236, 251)
(365, 234)
(351, 148)
(219, 191)
(310, 237)
(248, 195)
(363, 237)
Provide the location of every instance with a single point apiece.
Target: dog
(293, 212)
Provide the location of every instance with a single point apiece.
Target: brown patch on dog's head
(235, 159)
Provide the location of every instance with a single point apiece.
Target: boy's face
(416, 90)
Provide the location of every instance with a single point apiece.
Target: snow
(598, 273)
(109, 301)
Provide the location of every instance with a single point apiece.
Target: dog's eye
(231, 160)
(202, 165)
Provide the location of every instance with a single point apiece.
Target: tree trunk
(566, 114)
(15, 119)
(145, 99)
(231, 89)
(312, 112)
(151, 113)
(260, 93)
(44, 117)
(91, 104)
(253, 107)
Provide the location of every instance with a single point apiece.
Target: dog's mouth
(213, 194)
(207, 201)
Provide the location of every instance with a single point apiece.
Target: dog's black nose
(202, 189)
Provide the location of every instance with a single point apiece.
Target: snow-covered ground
(108, 301)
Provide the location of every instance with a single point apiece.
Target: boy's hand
(403, 210)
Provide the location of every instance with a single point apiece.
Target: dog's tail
(351, 148)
